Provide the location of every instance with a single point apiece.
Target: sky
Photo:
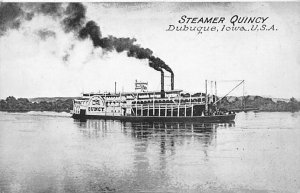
(38, 58)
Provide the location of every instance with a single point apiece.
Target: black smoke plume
(92, 30)
(75, 17)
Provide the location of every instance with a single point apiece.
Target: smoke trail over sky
(72, 18)
(13, 14)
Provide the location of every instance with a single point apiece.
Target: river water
(51, 152)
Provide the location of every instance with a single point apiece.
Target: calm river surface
(51, 152)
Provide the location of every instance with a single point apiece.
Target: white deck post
(192, 128)
(136, 109)
(178, 111)
(192, 112)
(153, 112)
(159, 110)
(166, 109)
(142, 110)
(113, 108)
(148, 111)
(171, 110)
(185, 110)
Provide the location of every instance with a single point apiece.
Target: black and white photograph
(140, 97)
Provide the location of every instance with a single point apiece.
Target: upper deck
(149, 95)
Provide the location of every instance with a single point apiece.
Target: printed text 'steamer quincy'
(234, 19)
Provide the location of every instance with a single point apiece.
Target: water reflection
(142, 130)
(148, 151)
(167, 135)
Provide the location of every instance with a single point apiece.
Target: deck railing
(163, 110)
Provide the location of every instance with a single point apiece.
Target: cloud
(45, 33)
(10, 14)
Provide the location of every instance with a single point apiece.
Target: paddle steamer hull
(201, 119)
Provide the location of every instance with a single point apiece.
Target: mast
(243, 99)
(211, 91)
(242, 82)
(206, 98)
(216, 91)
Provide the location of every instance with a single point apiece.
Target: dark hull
(201, 119)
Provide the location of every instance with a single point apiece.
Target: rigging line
(229, 80)
(242, 81)
(243, 100)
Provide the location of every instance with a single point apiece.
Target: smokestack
(172, 81)
(162, 90)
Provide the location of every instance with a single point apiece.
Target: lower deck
(173, 110)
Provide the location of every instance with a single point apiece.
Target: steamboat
(151, 106)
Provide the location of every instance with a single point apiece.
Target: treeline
(23, 104)
(65, 105)
(261, 103)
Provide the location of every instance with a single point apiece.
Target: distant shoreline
(65, 104)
